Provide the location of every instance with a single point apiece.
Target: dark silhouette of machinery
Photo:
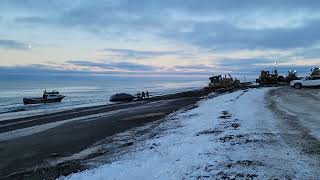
(315, 71)
(267, 78)
(292, 75)
(220, 82)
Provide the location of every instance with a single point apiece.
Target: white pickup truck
(310, 81)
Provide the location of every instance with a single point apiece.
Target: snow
(230, 136)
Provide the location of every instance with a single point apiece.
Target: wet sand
(27, 155)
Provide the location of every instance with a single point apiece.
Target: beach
(159, 90)
(30, 143)
(240, 133)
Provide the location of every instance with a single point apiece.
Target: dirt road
(298, 111)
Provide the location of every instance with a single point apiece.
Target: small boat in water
(47, 97)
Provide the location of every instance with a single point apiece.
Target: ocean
(82, 91)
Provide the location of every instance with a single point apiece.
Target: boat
(121, 97)
(47, 97)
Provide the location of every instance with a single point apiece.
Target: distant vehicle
(310, 81)
(47, 97)
(218, 82)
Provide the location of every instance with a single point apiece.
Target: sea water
(82, 91)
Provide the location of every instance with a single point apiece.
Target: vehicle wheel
(297, 86)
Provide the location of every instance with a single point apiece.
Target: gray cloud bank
(11, 44)
(137, 54)
(124, 66)
(248, 68)
(209, 24)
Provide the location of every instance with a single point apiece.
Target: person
(147, 94)
(138, 95)
(143, 95)
(44, 94)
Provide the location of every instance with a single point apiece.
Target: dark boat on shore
(121, 97)
(47, 97)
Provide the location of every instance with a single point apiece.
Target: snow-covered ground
(234, 135)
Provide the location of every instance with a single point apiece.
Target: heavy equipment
(220, 82)
(292, 75)
(315, 71)
(267, 78)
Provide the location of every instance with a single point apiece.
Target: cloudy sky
(158, 36)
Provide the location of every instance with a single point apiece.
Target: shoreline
(28, 156)
(5, 123)
(88, 107)
(69, 103)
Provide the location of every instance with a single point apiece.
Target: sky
(158, 37)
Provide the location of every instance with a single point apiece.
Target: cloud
(253, 66)
(113, 69)
(30, 20)
(131, 53)
(221, 35)
(196, 67)
(241, 67)
(12, 44)
(210, 26)
(124, 66)
(308, 53)
(247, 62)
(43, 70)
(34, 69)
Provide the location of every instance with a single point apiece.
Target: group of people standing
(143, 95)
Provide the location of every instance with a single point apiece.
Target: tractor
(220, 82)
(292, 75)
(267, 78)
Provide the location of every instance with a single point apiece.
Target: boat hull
(121, 97)
(41, 100)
